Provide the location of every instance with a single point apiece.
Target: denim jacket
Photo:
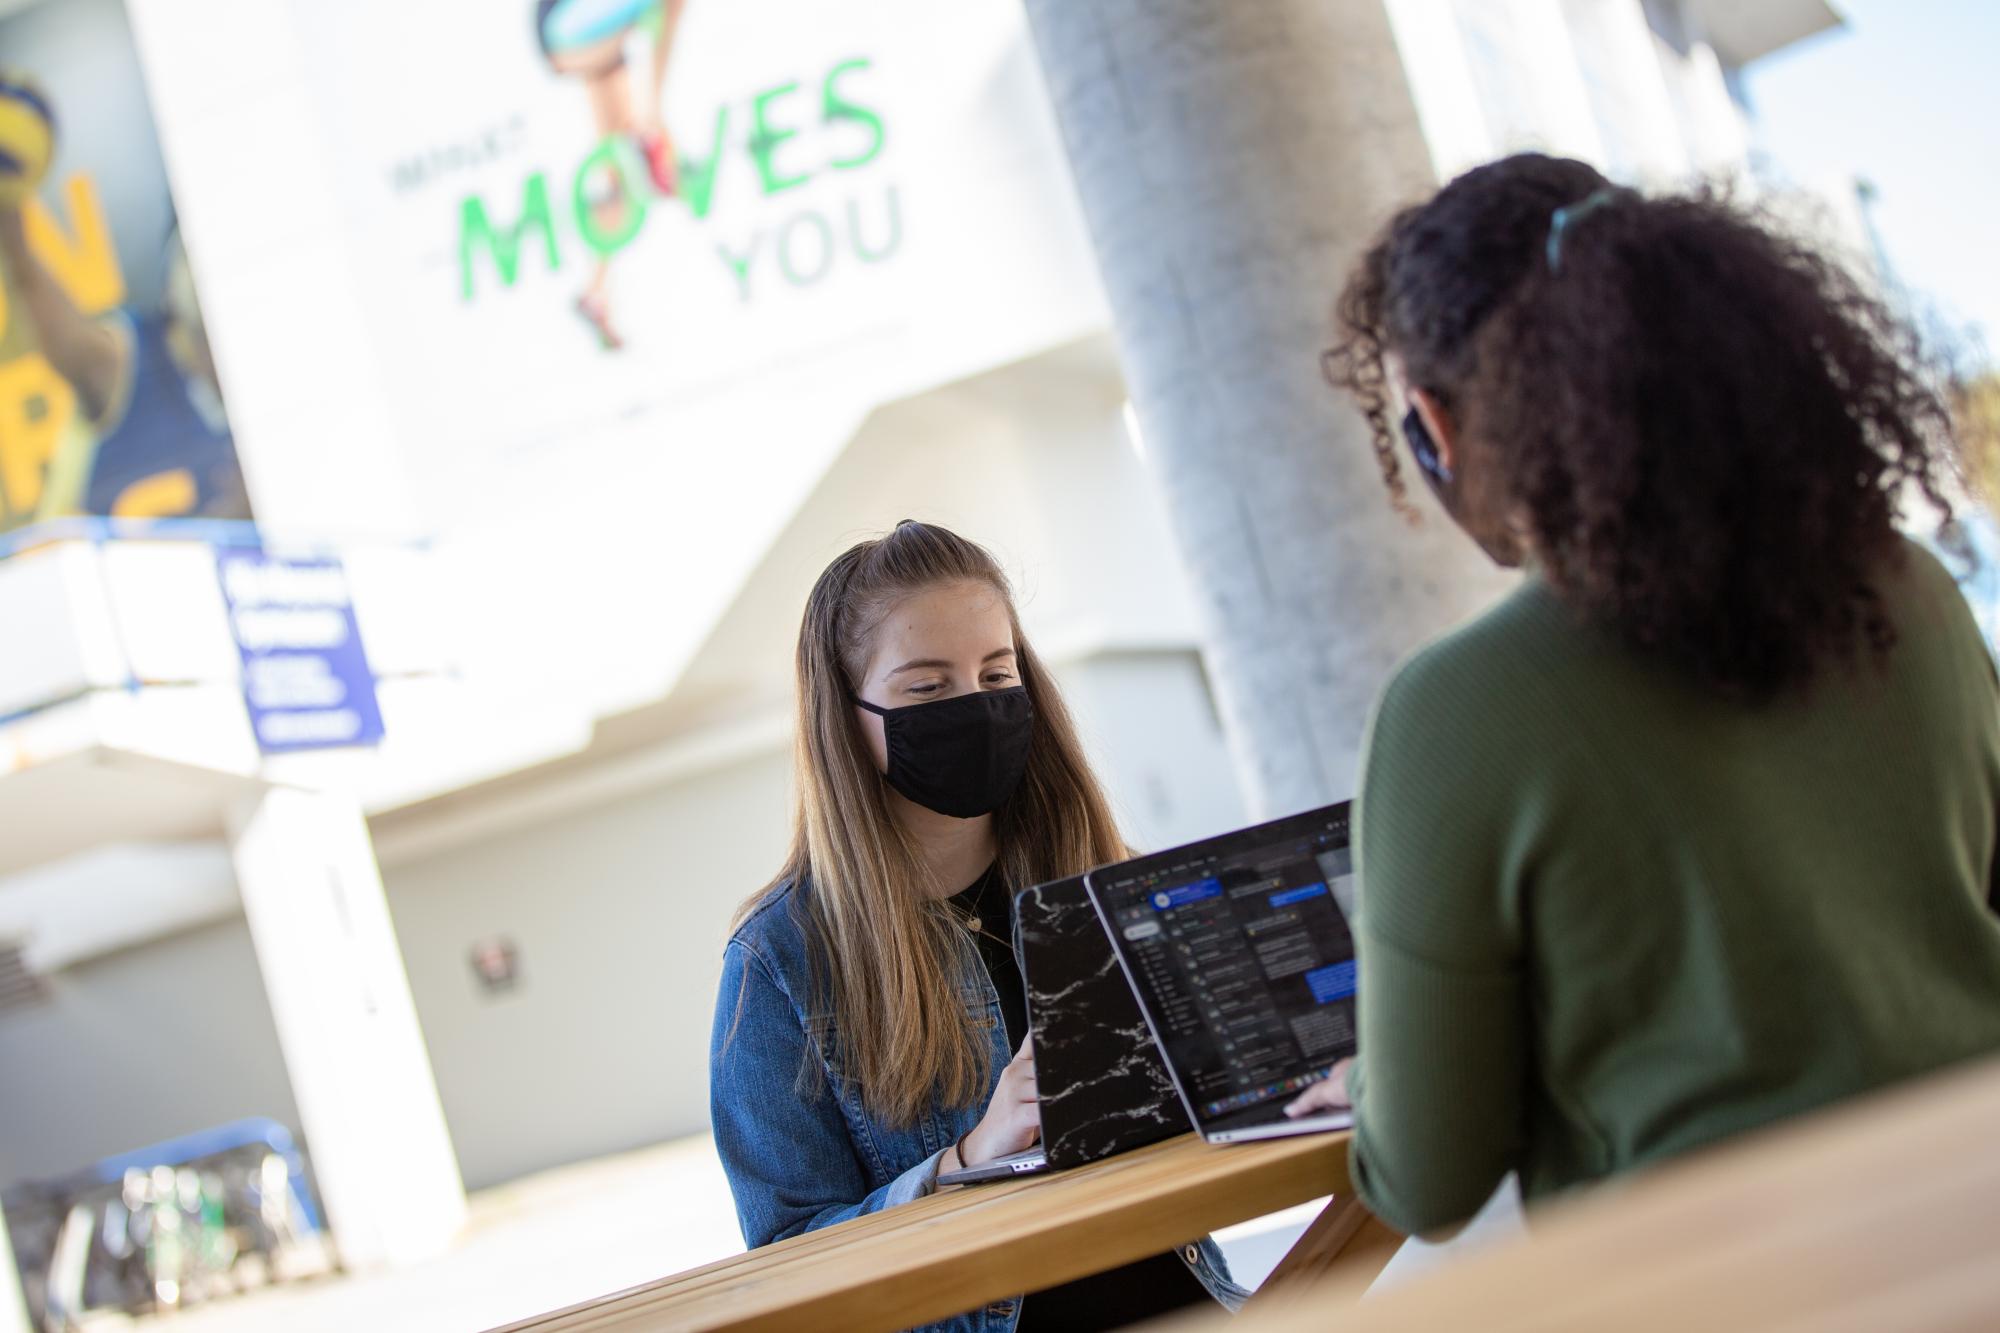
(799, 1159)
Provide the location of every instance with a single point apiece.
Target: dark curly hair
(1704, 424)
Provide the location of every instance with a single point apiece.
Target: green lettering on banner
(698, 176)
(821, 249)
(740, 264)
(764, 141)
(892, 207)
(504, 243)
(837, 108)
(612, 153)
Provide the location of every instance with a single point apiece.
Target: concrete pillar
(360, 1073)
(1232, 160)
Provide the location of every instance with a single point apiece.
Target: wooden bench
(1881, 1214)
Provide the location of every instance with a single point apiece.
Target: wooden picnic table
(1883, 1213)
(960, 1249)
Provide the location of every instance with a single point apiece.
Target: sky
(1907, 96)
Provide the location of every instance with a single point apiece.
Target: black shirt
(986, 909)
(1138, 1291)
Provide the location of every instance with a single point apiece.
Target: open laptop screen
(1239, 950)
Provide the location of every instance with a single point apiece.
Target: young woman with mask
(871, 1026)
(1696, 830)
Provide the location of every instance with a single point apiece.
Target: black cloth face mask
(961, 756)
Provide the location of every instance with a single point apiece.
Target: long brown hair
(886, 955)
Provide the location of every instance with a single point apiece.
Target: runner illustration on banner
(111, 405)
(586, 40)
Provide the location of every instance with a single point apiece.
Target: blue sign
(305, 677)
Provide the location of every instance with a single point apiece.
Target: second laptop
(1239, 952)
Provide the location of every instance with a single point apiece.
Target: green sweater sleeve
(1439, 1108)
(1444, 1044)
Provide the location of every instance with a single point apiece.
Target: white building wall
(1711, 122)
(136, 1047)
(1631, 86)
(1526, 71)
(619, 914)
(1155, 739)
(1627, 87)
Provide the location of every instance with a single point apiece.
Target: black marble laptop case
(1104, 1088)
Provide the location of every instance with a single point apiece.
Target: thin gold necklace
(972, 920)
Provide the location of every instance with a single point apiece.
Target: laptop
(1239, 952)
(1104, 1088)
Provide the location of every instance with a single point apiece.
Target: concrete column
(1232, 160)
(341, 1001)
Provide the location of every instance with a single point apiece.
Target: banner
(609, 245)
(109, 399)
(627, 277)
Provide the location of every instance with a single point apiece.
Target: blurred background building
(385, 758)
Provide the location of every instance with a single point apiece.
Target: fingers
(1337, 1081)
(1329, 1094)
(1006, 1129)
(1018, 1078)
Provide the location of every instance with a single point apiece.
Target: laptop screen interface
(1243, 955)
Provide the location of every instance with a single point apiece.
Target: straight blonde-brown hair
(887, 956)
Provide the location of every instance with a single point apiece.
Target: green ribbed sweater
(1606, 918)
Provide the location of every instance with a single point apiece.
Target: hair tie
(1568, 216)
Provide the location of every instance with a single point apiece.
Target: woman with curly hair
(1696, 830)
